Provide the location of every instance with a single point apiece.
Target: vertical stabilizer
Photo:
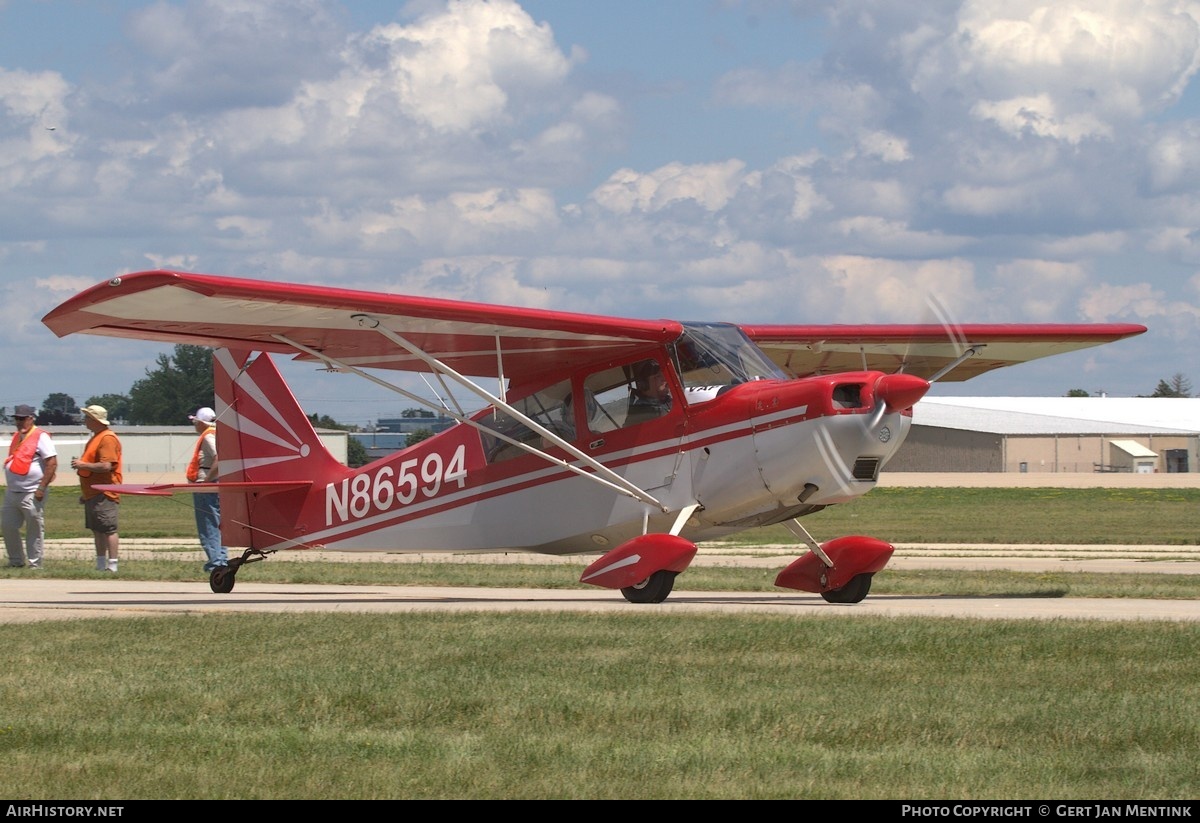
(263, 435)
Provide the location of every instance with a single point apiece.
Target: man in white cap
(100, 464)
(203, 468)
(29, 470)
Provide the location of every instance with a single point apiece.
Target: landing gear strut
(222, 578)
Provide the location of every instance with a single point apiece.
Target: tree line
(1175, 386)
(177, 385)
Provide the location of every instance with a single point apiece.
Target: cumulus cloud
(485, 219)
(994, 156)
(212, 55)
(708, 185)
(1140, 300)
(879, 290)
(459, 68)
(1040, 116)
(35, 107)
(1067, 70)
(1041, 287)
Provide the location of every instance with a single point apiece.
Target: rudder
(264, 435)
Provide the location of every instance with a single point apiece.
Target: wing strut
(970, 352)
(444, 390)
(500, 370)
(604, 475)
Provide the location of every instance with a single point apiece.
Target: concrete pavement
(26, 597)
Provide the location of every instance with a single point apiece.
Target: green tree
(58, 409)
(117, 405)
(324, 421)
(419, 435)
(1177, 386)
(356, 453)
(182, 383)
(1077, 393)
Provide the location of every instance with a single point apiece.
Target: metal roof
(1132, 448)
(1062, 415)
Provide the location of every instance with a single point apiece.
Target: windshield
(711, 356)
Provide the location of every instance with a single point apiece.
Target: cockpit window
(712, 356)
(626, 395)
(550, 407)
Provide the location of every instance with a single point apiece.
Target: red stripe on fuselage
(540, 474)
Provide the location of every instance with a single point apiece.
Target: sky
(750, 161)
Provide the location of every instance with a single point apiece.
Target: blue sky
(760, 161)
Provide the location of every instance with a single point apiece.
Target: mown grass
(566, 706)
(631, 706)
(1040, 515)
(898, 515)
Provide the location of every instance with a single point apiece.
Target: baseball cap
(204, 415)
(98, 413)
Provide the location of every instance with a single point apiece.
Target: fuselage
(758, 453)
(578, 463)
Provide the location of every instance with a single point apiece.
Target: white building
(1052, 434)
(150, 454)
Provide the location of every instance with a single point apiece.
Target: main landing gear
(852, 592)
(654, 589)
(222, 578)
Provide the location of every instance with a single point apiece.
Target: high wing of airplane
(576, 434)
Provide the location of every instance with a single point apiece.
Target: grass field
(637, 706)
(898, 515)
(568, 706)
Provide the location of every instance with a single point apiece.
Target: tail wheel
(221, 579)
(654, 589)
(852, 592)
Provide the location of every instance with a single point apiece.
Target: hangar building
(1052, 434)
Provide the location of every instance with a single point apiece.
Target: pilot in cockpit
(650, 396)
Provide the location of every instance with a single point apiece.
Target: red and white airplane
(576, 433)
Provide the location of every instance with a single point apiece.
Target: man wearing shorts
(100, 464)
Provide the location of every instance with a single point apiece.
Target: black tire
(221, 579)
(654, 589)
(852, 592)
